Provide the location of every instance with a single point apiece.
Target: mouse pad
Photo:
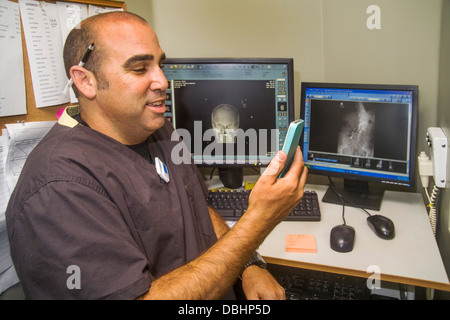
(302, 243)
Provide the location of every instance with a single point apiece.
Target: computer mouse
(382, 226)
(342, 238)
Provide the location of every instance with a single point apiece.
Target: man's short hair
(84, 34)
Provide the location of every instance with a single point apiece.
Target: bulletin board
(47, 113)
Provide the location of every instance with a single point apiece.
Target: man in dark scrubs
(91, 218)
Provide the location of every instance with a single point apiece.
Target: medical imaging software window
(226, 98)
(367, 135)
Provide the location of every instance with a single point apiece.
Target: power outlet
(438, 143)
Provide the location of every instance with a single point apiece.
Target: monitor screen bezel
(224, 60)
(411, 183)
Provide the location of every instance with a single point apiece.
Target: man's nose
(159, 81)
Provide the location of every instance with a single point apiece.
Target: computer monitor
(231, 113)
(362, 133)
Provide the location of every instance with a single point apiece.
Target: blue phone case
(291, 142)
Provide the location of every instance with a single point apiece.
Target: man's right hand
(274, 198)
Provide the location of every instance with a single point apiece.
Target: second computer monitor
(362, 133)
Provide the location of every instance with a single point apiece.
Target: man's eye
(140, 70)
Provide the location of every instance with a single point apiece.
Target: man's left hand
(259, 284)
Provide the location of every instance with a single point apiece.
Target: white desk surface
(412, 257)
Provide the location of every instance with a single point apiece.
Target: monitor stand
(355, 194)
(231, 177)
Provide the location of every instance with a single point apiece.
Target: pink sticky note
(304, 243)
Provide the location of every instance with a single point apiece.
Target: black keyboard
(303, 284)
(232, 204)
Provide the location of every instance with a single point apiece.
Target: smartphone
(291, 142)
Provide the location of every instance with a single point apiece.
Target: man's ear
(85, 81)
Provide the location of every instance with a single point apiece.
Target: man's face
(134, 101)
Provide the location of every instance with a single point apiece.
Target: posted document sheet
(12, 78)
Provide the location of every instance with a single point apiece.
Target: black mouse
(382, 226)
(342, 238)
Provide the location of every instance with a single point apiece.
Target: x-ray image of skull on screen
(225, 122)
(225, 106)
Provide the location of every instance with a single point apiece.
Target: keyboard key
(227, 213)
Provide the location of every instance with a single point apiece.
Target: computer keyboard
(304, 284)
(232, 204)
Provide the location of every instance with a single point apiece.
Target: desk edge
(358, 273)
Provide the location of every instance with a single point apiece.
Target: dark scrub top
(85, 200)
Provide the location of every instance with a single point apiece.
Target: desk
(412, 257)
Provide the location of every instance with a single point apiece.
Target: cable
(432, 214)
(340, 197)
(363, 209)
(343, 214)
(344, 200)
(211, 174)
(426, 171)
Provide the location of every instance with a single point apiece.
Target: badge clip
(161, 169)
